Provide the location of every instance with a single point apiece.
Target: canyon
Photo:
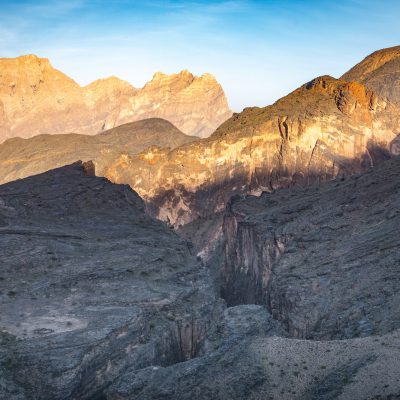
(100, 301)
(36, 98)
(260, 262)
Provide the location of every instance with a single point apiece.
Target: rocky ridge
(91, 287)
(324, 129)
(35, 98)
(380, 71)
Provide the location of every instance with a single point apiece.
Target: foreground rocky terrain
(20, 158)
(35, 98)
(99, 301)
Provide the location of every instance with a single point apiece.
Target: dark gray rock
(324, 260)
(90, 287)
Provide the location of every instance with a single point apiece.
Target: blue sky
(258, 50)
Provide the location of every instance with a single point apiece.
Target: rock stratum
(35, 98)
(100, 302)
(380, 71)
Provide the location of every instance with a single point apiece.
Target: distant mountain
(380, 71)
(35, 98)
(20, 158)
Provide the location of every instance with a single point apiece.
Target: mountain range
(36, 98)
(275, 275)
(326, 128)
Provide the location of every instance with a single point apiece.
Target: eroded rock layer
(37, 99)
(100, 302)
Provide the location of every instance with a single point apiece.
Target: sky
(258, 50)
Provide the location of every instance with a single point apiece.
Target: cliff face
(36, 99)
(325, 128)
(321, 259)
(99, 301)
(380, 71)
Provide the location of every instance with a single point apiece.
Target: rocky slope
(20, 158)
(380, 71)
(324, 129)
(100, 302)
(37, 99)
(91, 287)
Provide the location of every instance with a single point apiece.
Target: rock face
(37, 99)
(91, 287)
(324, 129)
(324, 259)
(20, 158)
(380, 71)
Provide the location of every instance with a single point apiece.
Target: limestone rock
(37, 99)
(324, 259)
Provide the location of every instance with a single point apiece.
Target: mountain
(325, 129)
(380, 71)
(20, 158)
(99, 301)
(35, 98)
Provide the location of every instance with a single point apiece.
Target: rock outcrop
(324, 129)
(380, 71)
(37, 99)
(20, 158)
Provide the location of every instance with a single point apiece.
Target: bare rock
(37, 99)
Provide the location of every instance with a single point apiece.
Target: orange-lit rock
(35, 98)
